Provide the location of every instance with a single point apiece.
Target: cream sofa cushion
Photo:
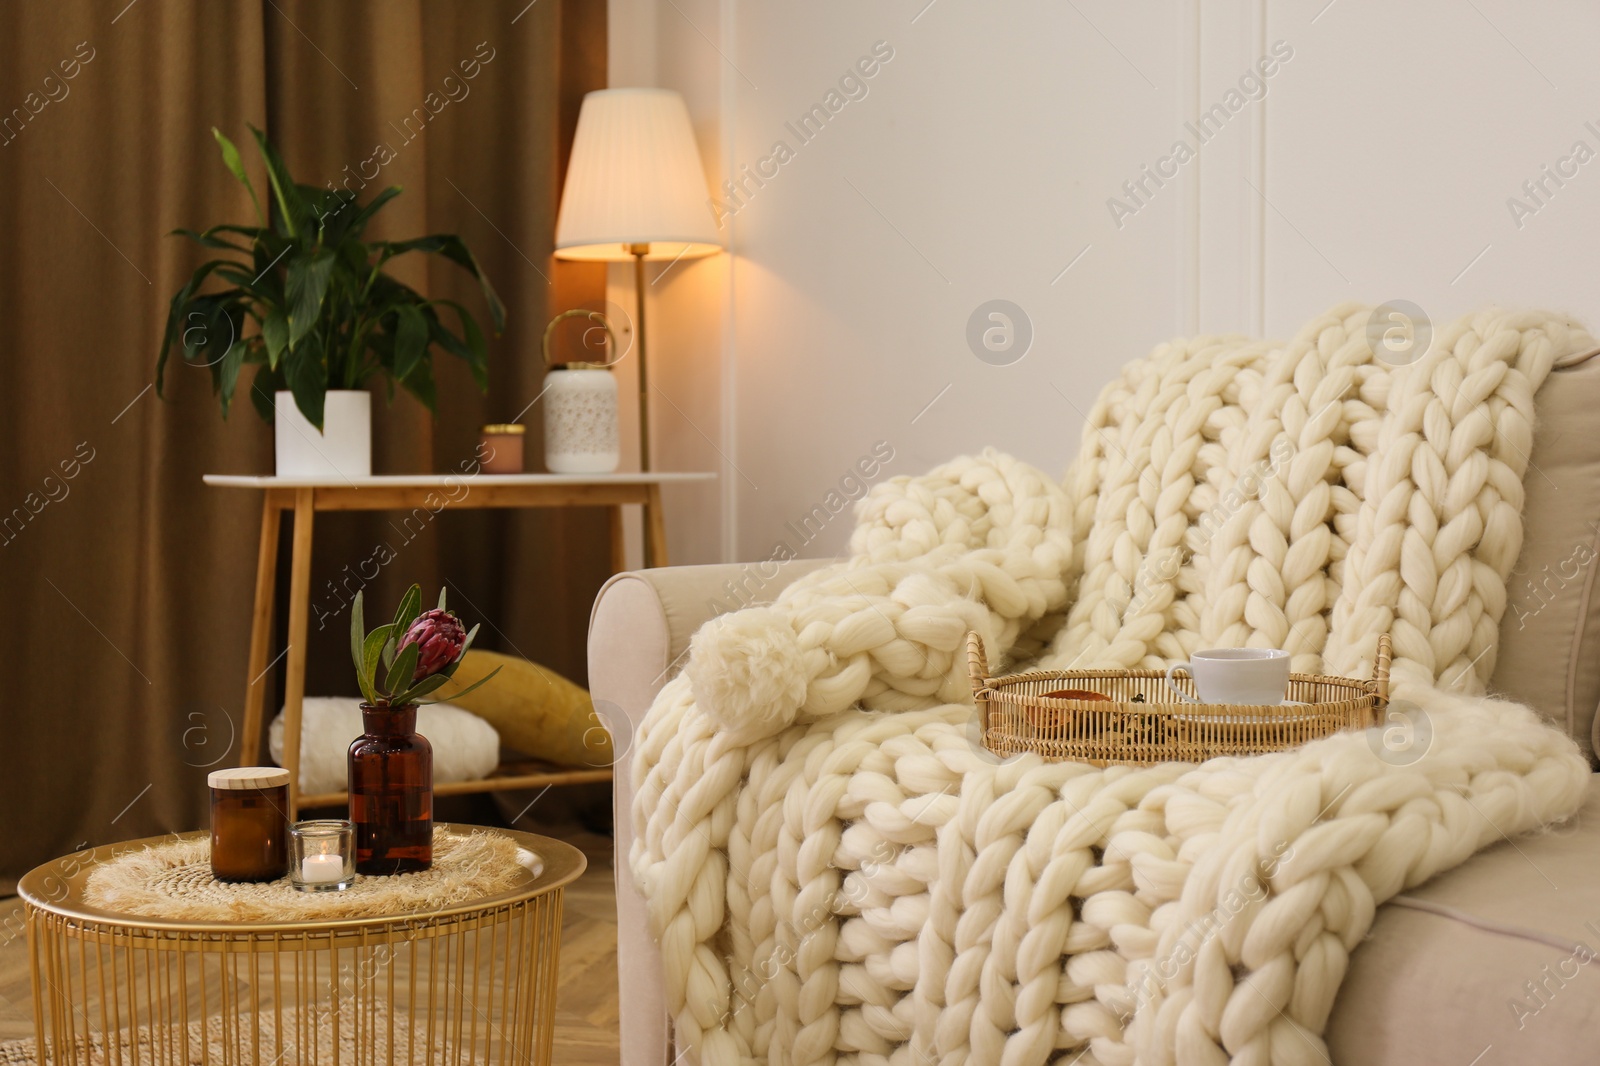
(1549, 654)
(1442, 985)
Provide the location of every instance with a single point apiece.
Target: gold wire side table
(469, 983)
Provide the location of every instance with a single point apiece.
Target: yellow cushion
(535, 710)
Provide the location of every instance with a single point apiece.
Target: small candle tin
(249, 823)
(501, 448)
(322, 855)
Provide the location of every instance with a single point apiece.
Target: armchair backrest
(1549, 653)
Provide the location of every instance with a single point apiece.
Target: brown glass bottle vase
(391, 792)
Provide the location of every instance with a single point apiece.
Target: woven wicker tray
(1017, 717)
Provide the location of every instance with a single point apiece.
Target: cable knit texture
(839, 873)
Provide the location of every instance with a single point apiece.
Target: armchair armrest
(641, 622)
(639, 633)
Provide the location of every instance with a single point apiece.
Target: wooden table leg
(255, 692)
(655, 530)
(619, 540)
(294, 684)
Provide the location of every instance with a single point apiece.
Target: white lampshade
(635, 178)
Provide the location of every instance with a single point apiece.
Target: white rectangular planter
(343, 449)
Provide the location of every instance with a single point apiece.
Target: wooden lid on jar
(248, 777)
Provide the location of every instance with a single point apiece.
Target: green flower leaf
(422, 688)
(481, 681)
(399, 675)
(406, 613)
(358, 635)
(466, 645)
(371, 648)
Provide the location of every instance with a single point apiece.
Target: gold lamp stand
(639, 251)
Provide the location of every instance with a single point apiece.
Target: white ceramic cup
(1235, 675)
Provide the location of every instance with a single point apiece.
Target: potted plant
(391, 764)
(308, 304)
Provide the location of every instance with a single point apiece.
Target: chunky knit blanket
(838, 872)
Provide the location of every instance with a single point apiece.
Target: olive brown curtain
(125, 583)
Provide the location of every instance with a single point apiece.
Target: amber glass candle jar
(249, 823)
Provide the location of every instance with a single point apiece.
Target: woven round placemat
(173, 880)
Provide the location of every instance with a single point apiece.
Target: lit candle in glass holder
(322, 855)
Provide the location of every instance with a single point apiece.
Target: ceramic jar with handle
(581, 430)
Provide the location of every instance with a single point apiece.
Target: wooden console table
(306, 496)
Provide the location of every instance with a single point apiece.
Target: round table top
(58, 887)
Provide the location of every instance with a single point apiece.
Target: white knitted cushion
(465, 747)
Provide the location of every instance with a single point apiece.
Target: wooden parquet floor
(586, 1000)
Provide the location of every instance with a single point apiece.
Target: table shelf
(303, 497)
(506, 777)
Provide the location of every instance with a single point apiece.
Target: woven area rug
(381, 1041)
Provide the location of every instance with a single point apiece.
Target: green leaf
(410, 607)
(325, 314)
(475, 351)
(256, 234)
(270, 262)
(323, 207)
(231, 159)
(292, 217)
(442, 591)
(481, 681)
(419, 383)
(178, 321)
(275, 332)
(264, 392)
(237, 273)
(307, 376)
(358, 627)
(228, 374)
(405, 664)
(371, 648)
(451, 247)
(306, 288)
(358, 224)
(410, 340)
(207, 240)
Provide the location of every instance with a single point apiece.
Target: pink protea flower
(439, 636)
(440, 640)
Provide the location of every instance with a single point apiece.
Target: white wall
(1398, 140)
(1373, 162)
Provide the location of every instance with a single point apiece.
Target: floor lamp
(636, 190)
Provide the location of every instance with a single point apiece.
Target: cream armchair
(1481, 956)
